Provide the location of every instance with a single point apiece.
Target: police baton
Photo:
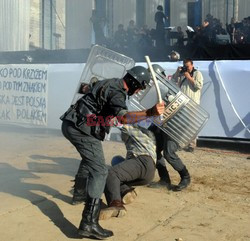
(154, 79)
(155, 82)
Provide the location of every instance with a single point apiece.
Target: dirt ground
(36, 170)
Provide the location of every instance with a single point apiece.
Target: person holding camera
(190, 80)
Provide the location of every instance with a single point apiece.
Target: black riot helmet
(158, 69)
(136, 78)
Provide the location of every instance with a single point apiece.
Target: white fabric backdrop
(14, 25)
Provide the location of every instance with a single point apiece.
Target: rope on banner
(223, 85)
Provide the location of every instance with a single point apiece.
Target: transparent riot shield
(102, 64)
(183, 118)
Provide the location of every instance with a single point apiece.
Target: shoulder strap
(182, 82)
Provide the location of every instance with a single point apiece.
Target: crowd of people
(211, 28)
(132, 36)
(239, 31)
(209, 32)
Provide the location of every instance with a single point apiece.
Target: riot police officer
(85, 125)
(169, 147)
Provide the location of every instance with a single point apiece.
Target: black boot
(185, 180)
(164, 178)
(80, 190)
(89, 226)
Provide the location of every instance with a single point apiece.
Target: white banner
(23, 94)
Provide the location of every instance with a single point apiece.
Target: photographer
(190, 80)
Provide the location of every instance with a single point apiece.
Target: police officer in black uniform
(81, 126)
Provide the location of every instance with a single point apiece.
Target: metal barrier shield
(102, 64)
(183, 118)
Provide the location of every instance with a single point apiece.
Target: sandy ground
(35, 182)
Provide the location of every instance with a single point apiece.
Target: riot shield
(183, 118)
(102, 63)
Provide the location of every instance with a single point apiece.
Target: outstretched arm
(136, 116)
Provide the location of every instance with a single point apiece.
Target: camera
(183, 69)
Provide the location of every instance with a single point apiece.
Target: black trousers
(169, 147)
(136, 171)
(93, 164)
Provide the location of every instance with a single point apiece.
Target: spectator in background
(160, 19)
(192, 35)
(98, 27)
(217, 29)
(240, 31)
(180, 37)
(132, 33)
(121, 37)
(209, 17)
(144, 39)
(231, 29)
(205, 32)
(246, 29)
